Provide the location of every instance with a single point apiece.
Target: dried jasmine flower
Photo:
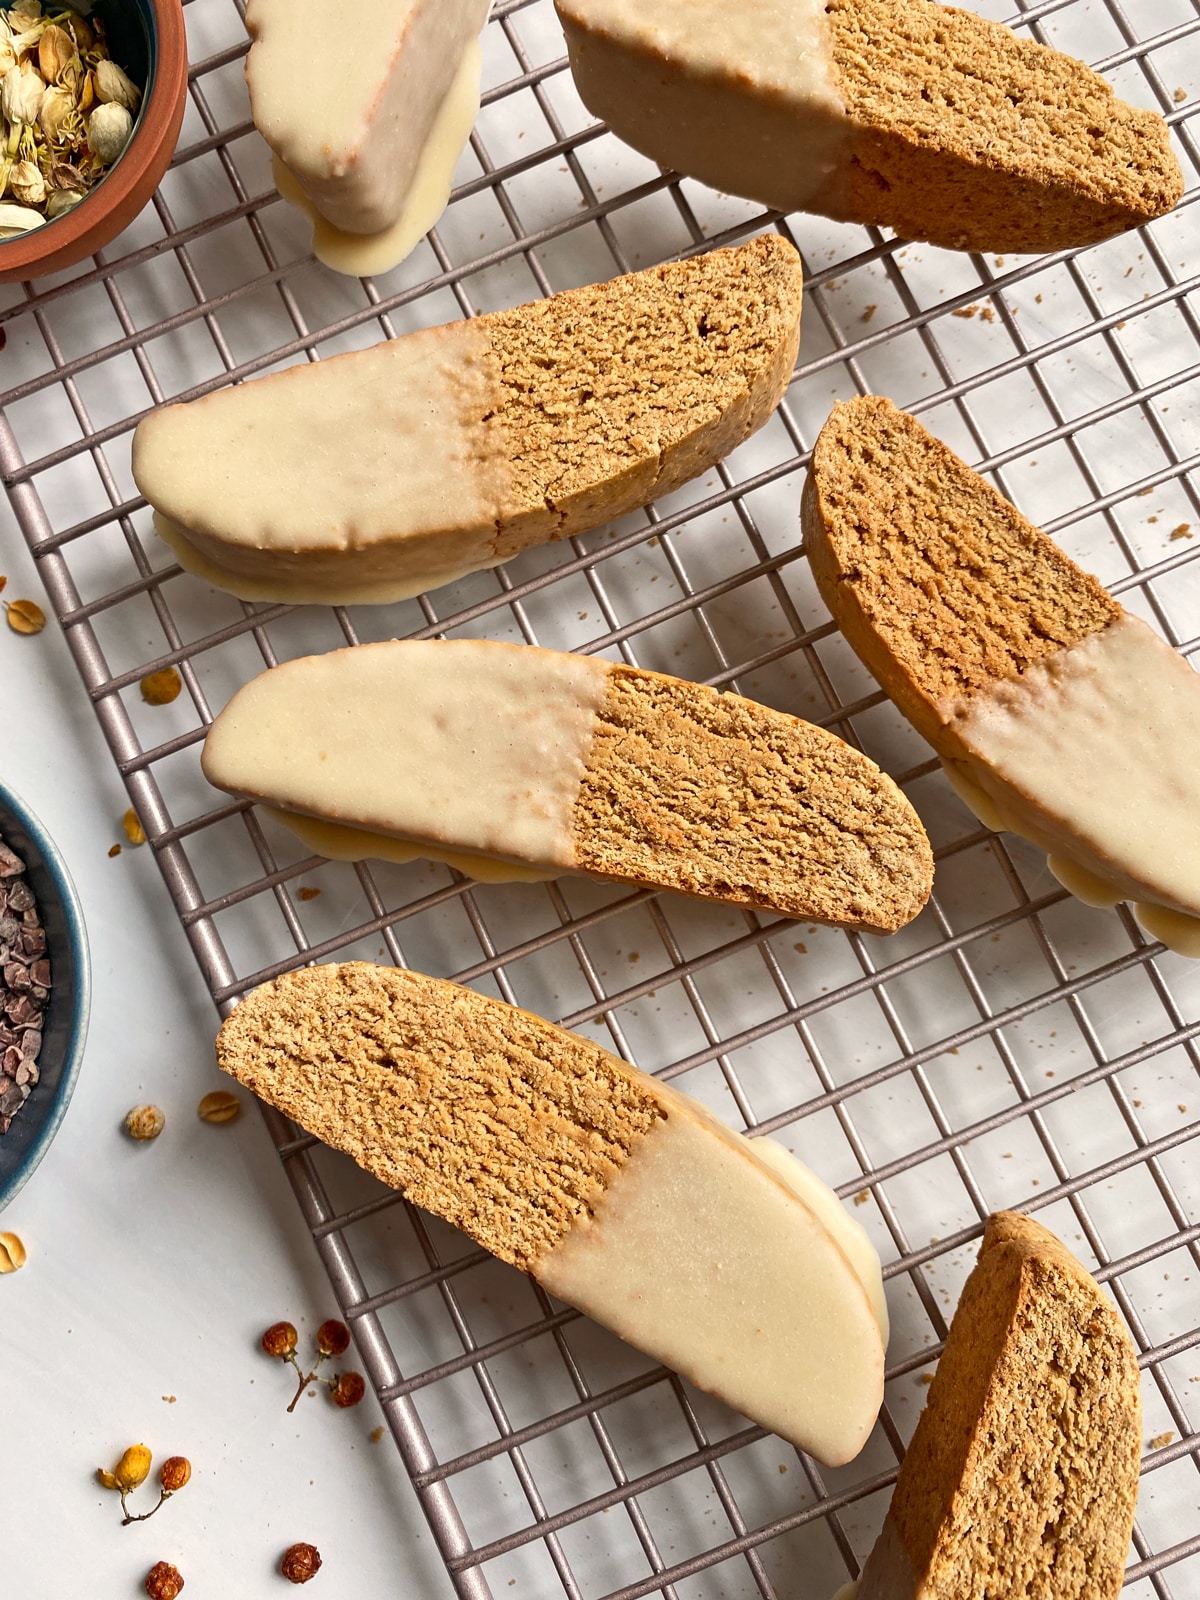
(21, 91)
(346, 1389)
(160, 688)
(115, 87)
(219, 1106)
(57, 54)
(60, 201)
(24, 616)
(108, 131)
(163, 1581)
(15, 220)
(12, 1253)
(26, 183)
(300, 1562)
(144, 1123)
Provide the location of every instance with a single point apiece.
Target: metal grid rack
(1011, 1048)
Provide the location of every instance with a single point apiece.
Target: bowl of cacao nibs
(44, 992)
(92, 95)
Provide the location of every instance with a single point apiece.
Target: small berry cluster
(132, 1470)
(333, 1339)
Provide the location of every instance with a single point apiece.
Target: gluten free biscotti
(1057, 714)
(618, 1194)
(1021, 1479)
(904, 113)
(372, 476)
(537, 763)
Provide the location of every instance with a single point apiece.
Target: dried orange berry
(160, 688)
(333, 1338)
(133, 1468)
(144, 1122)
(280, 1340)
(163, 1581)
(25, 616)
(219, 1106)
(300, 1563)
(174, 1473)
(134, 831)
(347, 1390)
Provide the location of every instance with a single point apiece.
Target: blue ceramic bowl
(66, 1018)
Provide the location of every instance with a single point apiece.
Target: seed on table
(144, 1122)
(12, 1253)
(219, 1106)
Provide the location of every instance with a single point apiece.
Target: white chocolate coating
(741, 95)
(348, 103)
(1094, 755)
(286, 487)
(700, 1256)
(467, 745)
(363, 255)
(336, 842)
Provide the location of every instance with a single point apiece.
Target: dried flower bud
(56, 51)
(144, 1122)
(12, 1253)
(347, 1390)
(64, 176)
(62, 201)
(85, 39)
(113, 86)
(163, 1581)
(24, 616)
(109, 128)
(133, 1468)
(219, 1106)
(26, 183)
(300, 1563)
(18, 220)
(174, 1473)
(21, 91)
(280, 1340)
(57, 105)
(333, 1338)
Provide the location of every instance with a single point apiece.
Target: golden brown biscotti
(372, 476)
(908, 114)
(1022, 1476)
(620, 1195)
(1058, 715)
(553, 763)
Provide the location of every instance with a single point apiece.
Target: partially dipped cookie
(1057, 714)
(904, 113)
(370, 477)
(513, 761)
(620, 1195)
(1021, 1479)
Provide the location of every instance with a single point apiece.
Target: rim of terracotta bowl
(124, 191)
(70, 1005)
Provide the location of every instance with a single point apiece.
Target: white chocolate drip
(465, 745)
(1094, 756)
(336, 842)
(700, 1255)
(741, 95)
(365, 255)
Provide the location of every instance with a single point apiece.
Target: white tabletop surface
(153, 1269)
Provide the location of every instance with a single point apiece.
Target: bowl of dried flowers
(92, 95)
(44, 992)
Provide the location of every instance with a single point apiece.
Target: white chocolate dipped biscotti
(510, 761)
(1022, 1476)
(907, 114)
(619, 1195)
(370, 477)
(1057, 714)
(366, 128)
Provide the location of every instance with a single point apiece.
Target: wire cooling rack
(1011, 1048)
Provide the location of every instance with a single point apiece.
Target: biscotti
(621, 1196)
(1057, 714)
(366, 135)
(561, 763)
(372, 476)
(907, 114)
(1022, 1475)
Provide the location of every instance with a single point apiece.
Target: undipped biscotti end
(970, 136)
(1022, 1476)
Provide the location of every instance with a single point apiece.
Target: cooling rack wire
(1011, 1048)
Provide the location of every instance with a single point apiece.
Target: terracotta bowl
(139, 31)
